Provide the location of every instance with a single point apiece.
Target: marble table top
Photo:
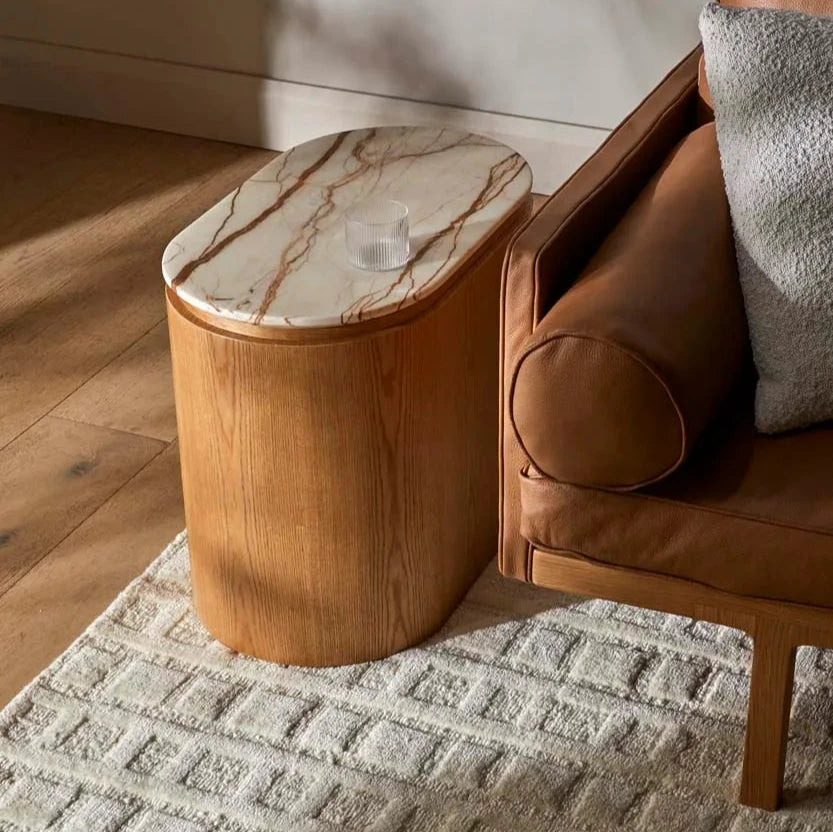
(272, 253)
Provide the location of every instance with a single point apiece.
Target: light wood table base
(341, 485)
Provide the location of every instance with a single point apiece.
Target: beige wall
(584, 62)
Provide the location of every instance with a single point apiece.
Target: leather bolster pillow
(625, 371)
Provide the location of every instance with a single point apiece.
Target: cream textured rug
(531, 711)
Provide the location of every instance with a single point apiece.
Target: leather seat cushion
(630, 364)
(748, 514)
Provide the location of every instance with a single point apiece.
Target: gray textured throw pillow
(770, 73)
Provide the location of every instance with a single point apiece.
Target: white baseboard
(252, 110)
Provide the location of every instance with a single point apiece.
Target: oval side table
(338, 428)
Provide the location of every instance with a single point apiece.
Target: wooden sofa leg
(770, 695)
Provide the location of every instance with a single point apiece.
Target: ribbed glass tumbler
(377, 234)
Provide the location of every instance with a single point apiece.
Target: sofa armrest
(547, 254)
(629, 366)
(554, 245)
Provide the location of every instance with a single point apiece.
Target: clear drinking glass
(377, 234)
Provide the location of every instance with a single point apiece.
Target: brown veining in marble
(293, 271)
(228, 216)
(284, 161)
(497, 180)
(212, 250)
(309, 233)
(295, 253)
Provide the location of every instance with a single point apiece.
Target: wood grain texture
(341, 497)
(770, 696)
(570, 573)
(87, 210)
(133, 393)
(91, 192)
(56, 600)
(85, 203)
(776, 627)
(79, 288)
(54, 476)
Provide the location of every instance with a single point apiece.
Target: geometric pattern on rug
(530, 711)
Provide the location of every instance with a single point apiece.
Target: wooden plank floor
(89, 471)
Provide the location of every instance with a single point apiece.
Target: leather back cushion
(624, 372)
(807, 6)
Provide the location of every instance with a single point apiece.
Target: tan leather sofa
(630, 467)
